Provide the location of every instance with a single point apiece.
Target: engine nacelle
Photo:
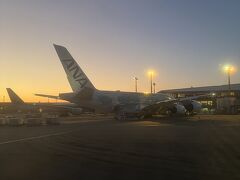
(197, 106)
(193, 106)
(178, 109)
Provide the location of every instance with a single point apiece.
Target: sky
(185, 42)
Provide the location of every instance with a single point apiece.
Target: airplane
(122, 104)
(18, 105)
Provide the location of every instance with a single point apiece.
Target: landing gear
(189, 113)
(140, 117)
(169, 113)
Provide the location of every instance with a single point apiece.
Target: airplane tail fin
(15, 99)
(76, 77)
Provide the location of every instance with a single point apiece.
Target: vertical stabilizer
(15, 99)
(76, 77)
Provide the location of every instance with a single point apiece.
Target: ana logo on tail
(77, 75)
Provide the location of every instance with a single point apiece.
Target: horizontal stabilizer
(48, 96)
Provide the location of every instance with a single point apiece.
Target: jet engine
(178, 109)
(192, 106)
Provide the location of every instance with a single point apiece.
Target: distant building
(222, 101)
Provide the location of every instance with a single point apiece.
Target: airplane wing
(179, 106)
(164, 106)
(61, 107)
(195, 97)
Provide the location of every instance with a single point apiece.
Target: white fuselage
(106, 101)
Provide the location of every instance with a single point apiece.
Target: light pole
(136, 79)
(229, 82)
(154, 84)
(151, 76)
(229, 69)
(150, 73)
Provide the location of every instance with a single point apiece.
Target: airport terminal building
(222, 100)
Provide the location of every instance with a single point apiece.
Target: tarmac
(102, 148)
